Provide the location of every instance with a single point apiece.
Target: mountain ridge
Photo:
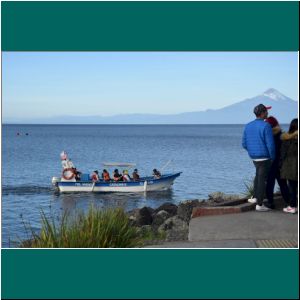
(283, 108)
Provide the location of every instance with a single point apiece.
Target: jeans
(260, 180)
(293, 187)
(274, 174)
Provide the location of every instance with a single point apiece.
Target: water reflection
(127, 201)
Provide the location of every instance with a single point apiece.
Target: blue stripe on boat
(150, 180)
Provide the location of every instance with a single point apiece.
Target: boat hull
(147, 184)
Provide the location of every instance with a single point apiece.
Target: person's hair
(293, 126)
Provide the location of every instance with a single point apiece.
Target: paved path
(250, 225)
(244, 230)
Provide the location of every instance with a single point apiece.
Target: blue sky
(45, 84)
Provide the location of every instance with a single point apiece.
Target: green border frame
(150, 273)
(150, 26)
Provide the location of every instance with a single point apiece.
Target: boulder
(174, 229)
(141, 217)
(160, 217)
(168, 207)
(185, 209)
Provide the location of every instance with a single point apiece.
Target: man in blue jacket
(259, 142)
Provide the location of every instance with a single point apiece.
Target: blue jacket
(258, 140)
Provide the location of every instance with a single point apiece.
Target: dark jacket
(258, 140)
(289, 159)
(277, 142)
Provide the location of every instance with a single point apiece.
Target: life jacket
(106, 177)
(95, 177)
(126, 177)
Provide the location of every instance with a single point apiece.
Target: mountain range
(283, 108)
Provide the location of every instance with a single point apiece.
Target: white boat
(144, 184)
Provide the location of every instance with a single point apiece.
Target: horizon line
(137, 124)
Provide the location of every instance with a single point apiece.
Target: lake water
(210, 157)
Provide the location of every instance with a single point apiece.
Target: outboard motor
(55, 180)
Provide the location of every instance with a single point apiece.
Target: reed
(97, 228)
(249, 188)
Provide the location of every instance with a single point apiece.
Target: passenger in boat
(156, 173)
(117, 175)
(95, 176)
(77, 174)
(126, 176)
(105, 175)
(135, 175)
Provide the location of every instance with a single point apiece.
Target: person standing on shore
(289, 163)
(274, 173)
(259, 142)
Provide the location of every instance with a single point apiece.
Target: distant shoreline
(207, 124)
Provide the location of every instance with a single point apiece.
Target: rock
(174, 229)
(216, 196)
(140, 217)
(185, 209)
(160, 217)
(145, 229)
(168, 207)
(219, 197)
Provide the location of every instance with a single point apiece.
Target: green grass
(249, 188)
(97, 228)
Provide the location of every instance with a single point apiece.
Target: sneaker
(291, 210)
(252, 200)
(270, 205)
(261, 208)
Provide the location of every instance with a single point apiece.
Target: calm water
(210, 157)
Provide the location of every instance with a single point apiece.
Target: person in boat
(105, 175)
(77, 174)
(156, 173)
(117, 175)
(135, 175)
(95, 176)
(126, 176)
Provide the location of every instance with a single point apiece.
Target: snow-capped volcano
(274, 95)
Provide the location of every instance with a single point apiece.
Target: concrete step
(222, 210)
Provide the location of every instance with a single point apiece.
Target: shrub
(97, 228)
(249, 188)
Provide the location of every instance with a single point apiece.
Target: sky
(47, 84)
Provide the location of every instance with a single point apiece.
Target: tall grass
(97, 228)
(249, 188)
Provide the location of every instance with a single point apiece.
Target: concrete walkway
(242, 230)
(250, 225)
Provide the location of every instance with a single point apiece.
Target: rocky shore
(170, 222)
